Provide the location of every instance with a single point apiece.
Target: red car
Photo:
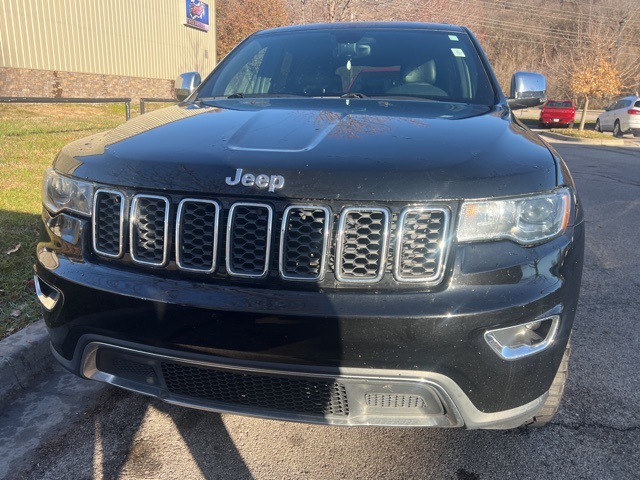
(557, 112)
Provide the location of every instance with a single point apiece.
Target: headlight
(64, 193)
(526, 220)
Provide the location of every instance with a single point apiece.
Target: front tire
(617, 132)
(598, 128)
(556, 391)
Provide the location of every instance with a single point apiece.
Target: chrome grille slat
(197, 235)
(249, 239)
(361, 244)
(303, 242)
(148, 230)
(108, 223)
(370, 243)
(421, 247)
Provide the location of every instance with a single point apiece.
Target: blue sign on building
(197, 14)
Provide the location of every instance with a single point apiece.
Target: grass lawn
(586, 133)
(30, 137)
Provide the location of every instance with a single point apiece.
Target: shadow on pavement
(126, 435)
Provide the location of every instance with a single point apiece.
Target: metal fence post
(144, 101)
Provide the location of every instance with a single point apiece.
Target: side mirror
(186, 83)
(528, 89)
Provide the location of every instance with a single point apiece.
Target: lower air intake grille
(125, 366)
(384, 400)
(256, 390)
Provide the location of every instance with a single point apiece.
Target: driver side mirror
(185, 84)
(528, 89)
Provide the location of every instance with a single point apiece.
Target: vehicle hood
(356, 149)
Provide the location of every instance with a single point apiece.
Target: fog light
(512, 343)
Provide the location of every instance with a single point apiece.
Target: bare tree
(310, 11)
(597, 78)
(236, 19)
(554, 37)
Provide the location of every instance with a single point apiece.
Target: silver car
(621, 117)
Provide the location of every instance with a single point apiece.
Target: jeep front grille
(256, 240)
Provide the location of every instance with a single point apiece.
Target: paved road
(68, 428)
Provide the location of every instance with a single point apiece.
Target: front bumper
(346, 396)
(403, 358)
(556, 120)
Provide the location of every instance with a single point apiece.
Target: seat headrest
(425, 73)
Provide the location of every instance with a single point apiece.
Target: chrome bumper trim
(455, 408)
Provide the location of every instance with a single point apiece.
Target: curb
(23, 356)
(614, 142)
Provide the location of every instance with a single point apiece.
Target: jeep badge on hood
(274, 182)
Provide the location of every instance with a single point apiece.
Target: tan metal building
(103, 48)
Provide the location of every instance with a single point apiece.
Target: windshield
(355, 62)
(559, 104)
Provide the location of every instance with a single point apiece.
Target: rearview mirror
(185, 84)
(528, 89)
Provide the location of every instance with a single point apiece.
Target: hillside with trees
(588, 49)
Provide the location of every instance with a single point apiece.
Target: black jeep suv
(342, 224)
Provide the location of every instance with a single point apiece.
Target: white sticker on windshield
(453, 38)
(458, 52)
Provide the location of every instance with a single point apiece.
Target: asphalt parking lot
(62, 427)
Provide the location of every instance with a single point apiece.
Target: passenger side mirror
(528, 89)
(185, 84)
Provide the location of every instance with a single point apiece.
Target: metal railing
(158, 100)
(126, 101)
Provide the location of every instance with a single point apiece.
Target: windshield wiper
(353, 95)
(236, 95)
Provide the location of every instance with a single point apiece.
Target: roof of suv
(352, 25)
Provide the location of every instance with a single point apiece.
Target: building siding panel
(145, 38)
